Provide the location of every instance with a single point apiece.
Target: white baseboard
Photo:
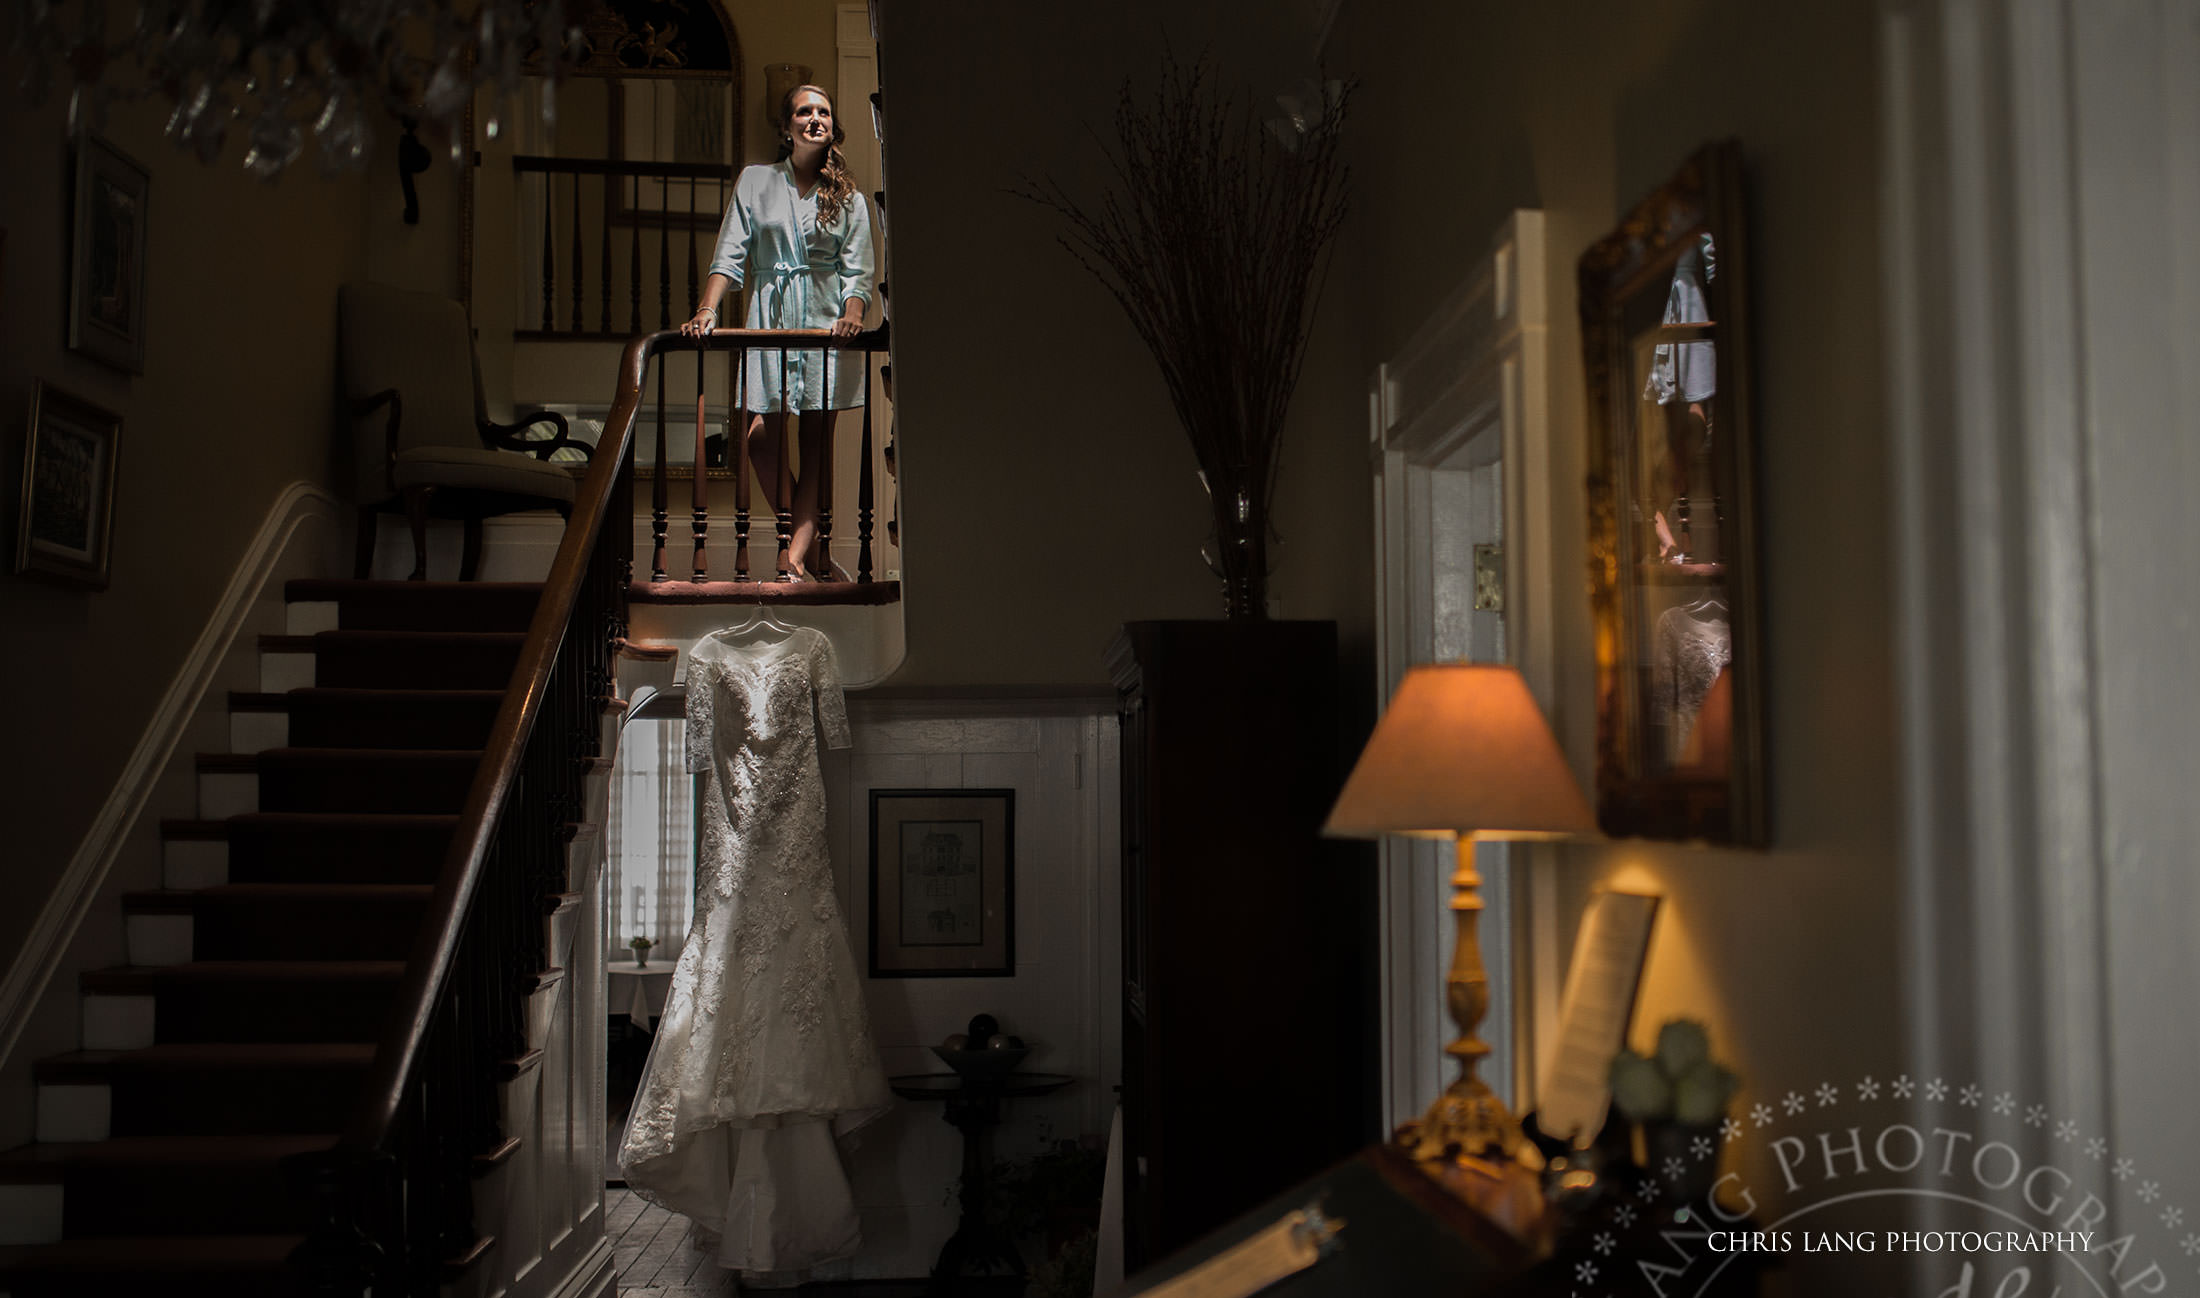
(300, 504)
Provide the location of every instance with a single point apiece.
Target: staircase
(260, 976)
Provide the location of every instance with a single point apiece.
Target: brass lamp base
(1468, 1141)
(1467, 1119)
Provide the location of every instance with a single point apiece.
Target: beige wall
(1579, 109)
(234, 404)
(1042, 460)
(1051, 494)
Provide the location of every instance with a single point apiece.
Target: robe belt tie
(799, 273)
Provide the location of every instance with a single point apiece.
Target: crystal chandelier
(285, 68)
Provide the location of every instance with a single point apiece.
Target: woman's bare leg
(766, 436)
(810, 433)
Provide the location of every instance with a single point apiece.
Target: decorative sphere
(955, 1041)
(998, 1042)
(981, 1029)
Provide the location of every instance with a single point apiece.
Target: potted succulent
(641, 947)
(1677, 1099)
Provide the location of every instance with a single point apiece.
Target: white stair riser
(74, 1113)
(282, 672)
(118, 1022)
(188, 863)
(223, 794)
(309, 617)
(30, 1214)
(157, 939)
(253, 732)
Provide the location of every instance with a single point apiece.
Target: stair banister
(394, 1199)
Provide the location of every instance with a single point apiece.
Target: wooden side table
(974, 1109)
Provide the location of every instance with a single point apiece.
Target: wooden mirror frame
(1635, 262)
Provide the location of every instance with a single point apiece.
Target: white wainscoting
(1061, 758)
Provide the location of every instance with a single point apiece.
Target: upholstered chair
(423, 443)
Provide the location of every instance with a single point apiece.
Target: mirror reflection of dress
(1691, 646)
(764, 1053)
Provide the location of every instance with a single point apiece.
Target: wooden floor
(655, 1258)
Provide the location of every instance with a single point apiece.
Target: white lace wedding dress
(764, 1053)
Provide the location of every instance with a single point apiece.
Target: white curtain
(650, 841)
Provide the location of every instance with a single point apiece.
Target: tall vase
(1237, 550)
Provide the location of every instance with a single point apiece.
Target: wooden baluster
(604, 317)
(824, 470)
(664, 262)
(863, 483)
(788, 444)
(700, 502)
(549, 256)
(737, 430)
(634, 261)
(579, 270)
(657, 488)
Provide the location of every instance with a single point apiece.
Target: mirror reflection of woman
(798, 236)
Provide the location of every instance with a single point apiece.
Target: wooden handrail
(436, 949)
(533, 162)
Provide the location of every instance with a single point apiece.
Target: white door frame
(1477, 369)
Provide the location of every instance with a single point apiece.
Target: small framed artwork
(107, 257)
(67, 515)
(943, 883)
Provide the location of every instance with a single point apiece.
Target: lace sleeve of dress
(832, 706)
(701, 714)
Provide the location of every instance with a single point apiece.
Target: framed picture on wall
(943, 883)
(107, 257)
(67, 520)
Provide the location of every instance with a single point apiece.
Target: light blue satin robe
(799, 274)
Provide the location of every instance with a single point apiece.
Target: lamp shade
(1462, 750)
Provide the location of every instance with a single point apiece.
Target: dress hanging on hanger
(1692, 646)
(764, 1053)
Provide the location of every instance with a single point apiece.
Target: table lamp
(1462, 753)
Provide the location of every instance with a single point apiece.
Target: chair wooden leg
(416, 504)
(469, 560)
(363, 562)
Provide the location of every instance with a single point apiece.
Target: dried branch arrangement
(1212, 241)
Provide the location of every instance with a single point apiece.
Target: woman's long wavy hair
(835, 187)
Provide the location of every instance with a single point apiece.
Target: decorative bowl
(983, 1065)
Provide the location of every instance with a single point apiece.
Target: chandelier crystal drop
(284, 70)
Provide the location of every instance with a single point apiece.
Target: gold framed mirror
(1674, 581)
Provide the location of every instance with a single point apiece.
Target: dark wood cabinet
(1249, 1021)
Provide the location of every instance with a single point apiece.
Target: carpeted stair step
(170, 1184)
(204, 1089)
(423, 605)
(285, 1001)
(406, 660)
(169, 1266)
(359, 718)
(295, 921)
(335, 847)
(388, 780)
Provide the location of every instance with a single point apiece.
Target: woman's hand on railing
(706, 319)
(850, 324)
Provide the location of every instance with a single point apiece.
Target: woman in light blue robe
(797, 236)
